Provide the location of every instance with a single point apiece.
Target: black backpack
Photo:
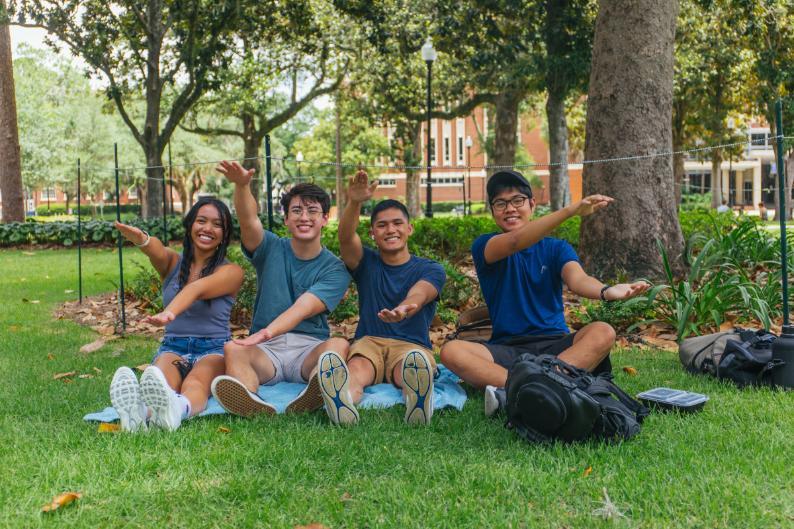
(548, 399)
(741, 356)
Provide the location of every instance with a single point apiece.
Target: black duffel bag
(548, 400)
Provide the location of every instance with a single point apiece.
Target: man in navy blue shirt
(521, 273)
(397, 296)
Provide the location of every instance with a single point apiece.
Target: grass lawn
(729, 466)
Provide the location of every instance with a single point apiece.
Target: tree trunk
(251, 142)
(716, 178)
(152, 205)
(412, 155)
(679, 170)
(341, 188)
(10, 158)
(559, 185)
(630, 111)
(506, 127)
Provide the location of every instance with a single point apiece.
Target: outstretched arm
(420, 295)
(359, 190)
(251, 230)
(508, 243)
(589, 287)
(225, 280)
(306, 306)
(163, 259)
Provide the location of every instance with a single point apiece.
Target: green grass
(729, 466)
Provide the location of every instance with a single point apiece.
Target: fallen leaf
(588, 471)
(345, 497)
(32, 301)
(13, 328)
(105, 330)
(223, 429)
(85, 375)
(67, 380)
(93, 346)
(64, 375)
(61, 500)
(609, 509)
(631, 371)
(142, 367)
(68, 291)
(50, 356)
(667, 345)
(108, 427)
(726, 326)
(28, 253)
(97, 370)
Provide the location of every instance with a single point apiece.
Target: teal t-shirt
(282, 278)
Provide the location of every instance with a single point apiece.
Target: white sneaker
(417, 388)
(161, 400)
(492, 403)
(125, 395)
(333, 376)
(235, 398)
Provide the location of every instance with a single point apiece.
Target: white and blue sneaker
(333, 376)
(161, 400)
(125, 395)
(417, 387)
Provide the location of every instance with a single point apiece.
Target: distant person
(199, 286)
(763, 213)
(722, 208)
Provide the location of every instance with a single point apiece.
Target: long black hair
(187, 245)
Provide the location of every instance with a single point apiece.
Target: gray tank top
(203, 319)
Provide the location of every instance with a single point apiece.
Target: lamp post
(298, 160)
(429, 55)
(468, 170)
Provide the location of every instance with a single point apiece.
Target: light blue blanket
(446, 393)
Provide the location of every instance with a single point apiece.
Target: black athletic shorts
(505, 354)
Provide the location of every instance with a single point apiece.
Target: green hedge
(85, 209)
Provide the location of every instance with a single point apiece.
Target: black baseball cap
(506, 179)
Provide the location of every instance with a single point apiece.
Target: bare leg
(473, 363)
(591, 345)
(196, 386)
(165, 363)
(248, 364)
(338, 345)
(362, 374)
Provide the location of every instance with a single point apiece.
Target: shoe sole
(417, 388)
(234, 398)
(333, 376)
(310, 399)
(125, 396)
(157, 395)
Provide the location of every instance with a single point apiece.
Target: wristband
(603, 290)
(146, 242)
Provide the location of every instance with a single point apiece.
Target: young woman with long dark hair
(199, 286)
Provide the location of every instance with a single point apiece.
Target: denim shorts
(190, 349)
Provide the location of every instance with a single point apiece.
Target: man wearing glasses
(298, 283)
(521, 272)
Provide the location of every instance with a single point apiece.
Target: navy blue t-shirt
(524, 291)
(382, 286)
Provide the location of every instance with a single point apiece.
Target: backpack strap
(603, 384)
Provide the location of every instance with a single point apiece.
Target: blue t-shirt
(524, 291)
(281, 279)
(202, 319)
(382, 286)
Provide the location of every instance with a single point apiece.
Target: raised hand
(260, 336)
(591, 204)
(235, 173)
(131, 233)
(161, 319)
(397, 314)
(626, 290)
(359, 189)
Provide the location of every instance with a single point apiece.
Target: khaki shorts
(288, 352)
(385, 354)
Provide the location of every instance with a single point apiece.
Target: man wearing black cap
(521, 272)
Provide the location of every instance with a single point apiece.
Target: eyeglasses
(312, 213)
(517, 201)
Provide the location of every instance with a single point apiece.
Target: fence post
(79, 240)
(269, 181)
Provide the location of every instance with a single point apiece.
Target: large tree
(11, 165)
(629, 112)
(166, 50)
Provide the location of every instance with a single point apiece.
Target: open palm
(235, 173)
(359, 189)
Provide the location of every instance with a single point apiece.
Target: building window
(460, 150)
(444, 180)
(432, 150)
(48, 193)
(446, 151)
(387, 182)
